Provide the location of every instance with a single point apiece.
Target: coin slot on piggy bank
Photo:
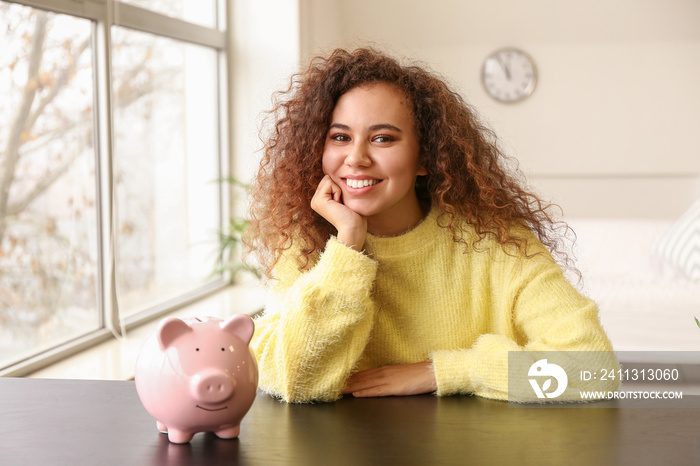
(198, 375)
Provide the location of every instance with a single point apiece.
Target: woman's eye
(383, 139)
(340, 137)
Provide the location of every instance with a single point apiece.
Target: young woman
(404, 256)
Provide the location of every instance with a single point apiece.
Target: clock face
(509, 75)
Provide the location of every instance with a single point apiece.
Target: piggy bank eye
(222, 349)
(197, 349)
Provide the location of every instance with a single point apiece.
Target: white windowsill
(116, 359)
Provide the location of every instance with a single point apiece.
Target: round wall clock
(509, 75)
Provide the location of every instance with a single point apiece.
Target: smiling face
(372, 153)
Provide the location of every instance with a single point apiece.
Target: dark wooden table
(71, 422)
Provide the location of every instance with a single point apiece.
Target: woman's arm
(316, 325)
(548, 314)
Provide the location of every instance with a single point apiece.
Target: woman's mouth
(359, 184)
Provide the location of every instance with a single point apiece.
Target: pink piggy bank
(198, 375)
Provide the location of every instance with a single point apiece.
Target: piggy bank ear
(169, 330)
(240, 325)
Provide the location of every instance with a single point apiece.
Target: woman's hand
(351, 226)
(402, 379)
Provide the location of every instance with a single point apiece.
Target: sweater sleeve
(547, 314)
(315, 325)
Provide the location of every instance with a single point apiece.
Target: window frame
(104, 14)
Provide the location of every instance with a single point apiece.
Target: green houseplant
(231, 239)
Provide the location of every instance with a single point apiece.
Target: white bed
(645, 303)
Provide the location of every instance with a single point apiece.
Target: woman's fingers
(326, 191)
(337, 192)
(402, 379)
(327, 202)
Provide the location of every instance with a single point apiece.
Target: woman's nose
(358, 156)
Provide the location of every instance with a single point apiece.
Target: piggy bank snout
(212, 386)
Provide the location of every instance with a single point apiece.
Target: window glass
(166, 166)
(48, 218)
(202, 12)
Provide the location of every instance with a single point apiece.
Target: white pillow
(680, 245)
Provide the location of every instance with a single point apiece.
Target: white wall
(265, 42)
(613, 128)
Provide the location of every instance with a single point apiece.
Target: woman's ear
(422, 159)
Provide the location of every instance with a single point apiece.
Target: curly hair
(477, 187)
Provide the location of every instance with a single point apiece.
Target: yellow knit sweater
(417, 297)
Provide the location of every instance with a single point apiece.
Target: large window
(112, 142)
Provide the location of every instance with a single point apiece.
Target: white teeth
(360, 183)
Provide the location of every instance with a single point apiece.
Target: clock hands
(506, 66)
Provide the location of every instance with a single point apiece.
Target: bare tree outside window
(166, 166)
(48, 246)
(166, 161)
